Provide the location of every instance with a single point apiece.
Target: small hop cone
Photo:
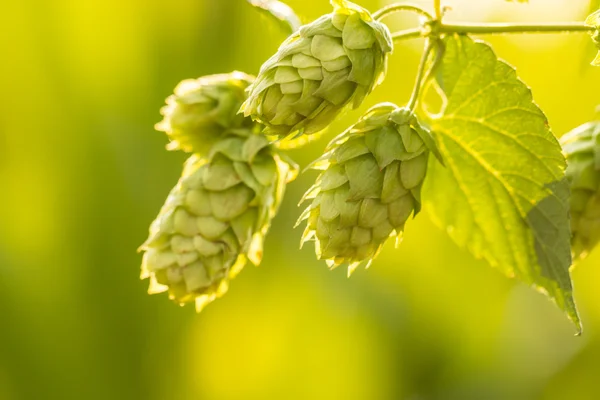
(582, 150)
(370, 185)
(594, 21)
(215, 219)
(332, 62)
(202, 110)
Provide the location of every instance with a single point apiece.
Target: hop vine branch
(435, 26)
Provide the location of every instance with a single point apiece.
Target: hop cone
(582, 150)
(202, 110)
(594, 21)
(370, 185)
(214, 219)
(335, 60)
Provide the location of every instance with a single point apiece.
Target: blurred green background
(83, 173)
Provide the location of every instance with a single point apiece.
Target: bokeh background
(83, 173)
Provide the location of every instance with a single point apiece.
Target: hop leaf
(594, 21)
(327, 64)
(371, 184)
(202, 110)
(582, 150)
(215, 219)
(510, 210)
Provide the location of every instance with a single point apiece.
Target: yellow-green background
(82, 174)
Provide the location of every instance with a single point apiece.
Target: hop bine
(202, 110)
(334, 61)
(582, 150)
(215, 218)
(370, 185)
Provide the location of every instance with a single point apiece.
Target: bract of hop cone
(202, 110)
(332, 62)
(581, 147)
(370, 185)
(215, 218)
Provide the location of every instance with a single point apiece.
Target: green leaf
(503, 193)
(283, 14)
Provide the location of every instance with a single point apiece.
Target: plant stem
(407, 34)
(394, 8)
(429, 44)
(437, 6)
(495, 29)
(499, 28)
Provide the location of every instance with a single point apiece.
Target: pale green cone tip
(594, 21)
(215, 219)
(202, 110)
(581, 147)
(370, 186)
(328, 64)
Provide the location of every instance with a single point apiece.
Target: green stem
(394, 8)
(429, 45)
(494, 29)
(499, 28)
(407, 34)
(437, 6)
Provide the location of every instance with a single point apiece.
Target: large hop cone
(582, 150)
(202, 110)
(327, 64)
(370, 185)
(214, 219)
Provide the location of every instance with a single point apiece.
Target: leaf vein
(478, 93)
(505, 134)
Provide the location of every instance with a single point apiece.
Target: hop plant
(369, 187)
(582, 150)
(503, 196)
(327, 64)
(202, 110)
(215, 219)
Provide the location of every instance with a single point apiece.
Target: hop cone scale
(370, 185)
(202, 110)
(327, 64)
(582, 150)
(215, 219)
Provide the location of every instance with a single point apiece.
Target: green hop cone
(202, 110)
(594, 21)
(370, 185)
(215, 219)
(327, 64)
(582, 150)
